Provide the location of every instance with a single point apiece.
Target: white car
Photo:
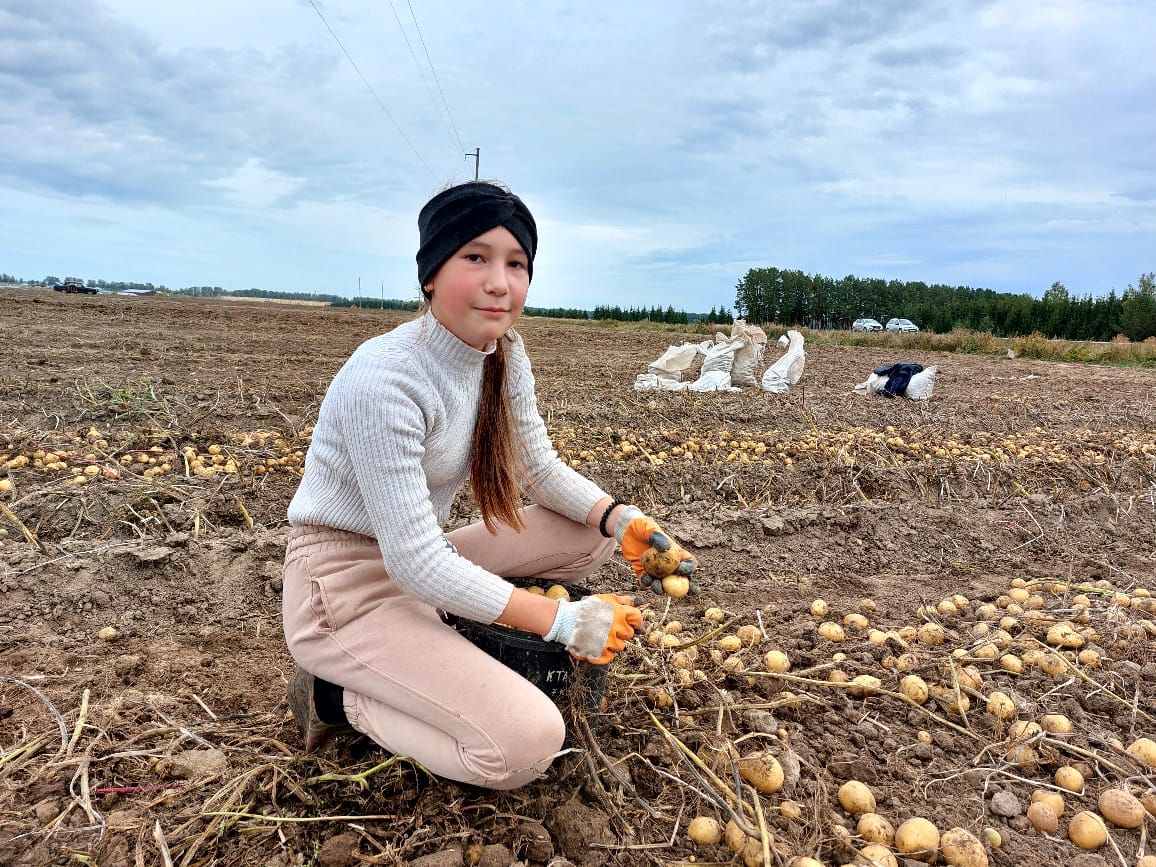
(866, 325)
(901, 325)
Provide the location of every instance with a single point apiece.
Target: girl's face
(479, 293)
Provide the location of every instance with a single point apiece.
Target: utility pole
(476, 153)
(382, 294)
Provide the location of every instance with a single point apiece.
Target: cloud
(255, 186)
(664, 148)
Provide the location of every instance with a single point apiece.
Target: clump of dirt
(151, 447)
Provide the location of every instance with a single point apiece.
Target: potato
(704, 830)
(804, 861)
(714, 615)
(1088, 657)
(792, 811)
(1051, 664)
(831, 631)
(749, 634)
(1121, 808)
(918, 839)
(1043, 818)
(660, 563)
(1149, 802)
(675, 586)
(730, 643)
(856, 798)
(930, 634)
(1087, 830)
(820, 608)
(855, 620)
(1053, 799)
(961, 848)
(863, 685)
(1056, 724)
(536, 590)
(875, 855)
(557, 591)
(752, 853)
(1023, 730)
(777, 661)
(1144, 750)
(970, 676)
(763, 771)
(1069, 778)
(906, 662)
(1011, 663)
(991, 838)
(1022, 756)
(875, 829)
(1000, 706)
(734, 836)
(673, 628)
(947, 697)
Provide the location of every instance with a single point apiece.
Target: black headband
(456, 216)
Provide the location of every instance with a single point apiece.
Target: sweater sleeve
(549, 480)
(384, 412)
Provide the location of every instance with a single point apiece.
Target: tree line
(719, 316)
(791, 297)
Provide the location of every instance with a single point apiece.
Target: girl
(368, 568)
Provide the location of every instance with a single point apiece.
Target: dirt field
(150, 447)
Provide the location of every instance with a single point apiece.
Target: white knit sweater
(391, 449)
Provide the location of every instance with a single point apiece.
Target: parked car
(73, 286)
(901, 325)
(866, 325)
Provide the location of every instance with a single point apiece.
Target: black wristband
(605, 515)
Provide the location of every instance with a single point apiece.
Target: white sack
(651, 382)
(676, 360)
(749, 354)
(788, 370)
(715, 374)
(922, 384)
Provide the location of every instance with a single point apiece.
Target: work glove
(651, 552)
(595, 628)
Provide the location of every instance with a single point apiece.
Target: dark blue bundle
(898, 376)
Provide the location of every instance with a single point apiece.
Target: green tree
(1138, 310)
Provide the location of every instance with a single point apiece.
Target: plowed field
(149, 448)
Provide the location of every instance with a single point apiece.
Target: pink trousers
(412, 683)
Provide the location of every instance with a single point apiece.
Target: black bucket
(546, 664)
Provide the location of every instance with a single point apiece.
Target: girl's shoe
(318, 734)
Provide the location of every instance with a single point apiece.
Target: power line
(456, 142)
(433, 70)
(371, 90)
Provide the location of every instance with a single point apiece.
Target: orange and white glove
(637, 534)
(595, 628)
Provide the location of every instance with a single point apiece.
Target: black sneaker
(317, 733)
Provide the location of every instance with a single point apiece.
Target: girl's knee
(524, 752)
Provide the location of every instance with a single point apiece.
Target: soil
(142, 668)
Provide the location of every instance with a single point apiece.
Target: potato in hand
(660, 563)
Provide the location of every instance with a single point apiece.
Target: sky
(665, 148)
